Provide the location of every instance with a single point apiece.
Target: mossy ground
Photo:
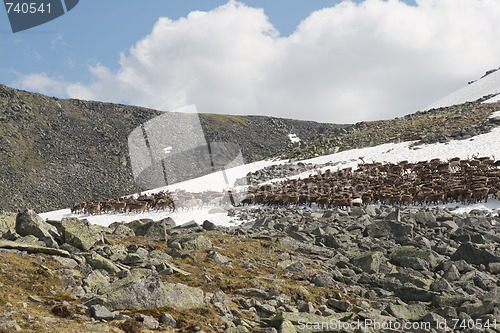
(23, 276)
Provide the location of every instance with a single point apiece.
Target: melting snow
(293, 137)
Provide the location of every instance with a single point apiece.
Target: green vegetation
(224, 119)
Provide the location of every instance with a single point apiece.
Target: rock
(190, 242)
(208, 226)
(473, 255)
(78, 233)
(265, 309)
(412, 312)
(95, 282)
(409, 278)
(217, 257)
(448, 300)
(412, 257)
(66, 262)
(96, 261)
(452, 274)
(433, 319)
(100, 312)
(384, 229)
(252, 292)
(411, 294)
(123, 230)
(323, 280)
(158, 230)
(7, 224)
(494, 268)
(140, 227)
(167, 319)
(306, 307)
(29, 223)
(394, 215)
(340, 305)
(147, 321)
(144, 290)
(263, 222)
(132, 259)
(30, 240)
(189, 225)
(478, 308)
(5, 244)
(369, 262)
(441, 285)
(287, 327)
(424, 217)
(10, 326)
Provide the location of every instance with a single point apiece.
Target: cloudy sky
(329, 61)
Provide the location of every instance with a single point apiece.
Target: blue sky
(347, 61)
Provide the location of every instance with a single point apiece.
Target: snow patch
(294, 138)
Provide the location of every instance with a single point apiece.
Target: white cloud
(352, 62)
(41, 82)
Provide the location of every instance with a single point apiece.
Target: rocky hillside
(55, 152)
(458, 122)
(283, 270)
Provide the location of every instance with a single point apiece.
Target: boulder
(158, 230)
(368, 262)
(95, 282)
(387, 228)
(412, 257)
(29, 223)
(5, 244)
(78, 233)
(411, 312)
(100, 312)
(190, 242)
(140, 226)
(144, 290)
(96, 261)
(7, 223)
(474, 255)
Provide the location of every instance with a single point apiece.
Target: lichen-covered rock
(7, 223)
(29, 223)
(158, 230)
(369, 262)
(143, 289)
(191, 242)
(473, 255)
(410, 256)
(96, 261)
(78, 233)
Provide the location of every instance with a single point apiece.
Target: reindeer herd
(156, 201)
(433, 182)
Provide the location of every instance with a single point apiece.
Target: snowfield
(488, 85)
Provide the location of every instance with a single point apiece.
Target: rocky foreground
(364, 269)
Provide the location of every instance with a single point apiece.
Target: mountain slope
(487, 88)
(54, 152)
